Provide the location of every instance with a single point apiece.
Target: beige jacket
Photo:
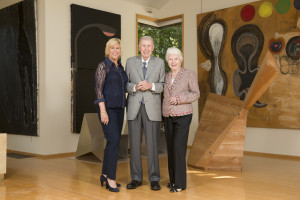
(186, 90)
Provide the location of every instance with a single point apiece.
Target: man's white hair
(146, 37)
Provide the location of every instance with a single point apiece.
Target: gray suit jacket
(155, 74)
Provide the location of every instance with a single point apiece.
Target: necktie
(144, 73)
(144, 69)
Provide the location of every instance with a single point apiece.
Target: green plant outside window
(164, 37)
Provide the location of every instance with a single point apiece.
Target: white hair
(146, 37)
(174, 51)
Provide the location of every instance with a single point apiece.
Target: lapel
(150, 67)
(177, 78)
(168, 80)
(139, 65)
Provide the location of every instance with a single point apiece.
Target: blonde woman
(110, 88)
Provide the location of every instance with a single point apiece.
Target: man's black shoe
(133, 184)
(155, 185)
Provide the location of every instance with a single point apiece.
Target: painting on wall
(211, 39)
(90, 30)
(18, 69)
(231, 45)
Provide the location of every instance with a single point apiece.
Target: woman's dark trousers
(112, 132)
(176, 132)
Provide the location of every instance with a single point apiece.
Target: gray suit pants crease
(151, 131)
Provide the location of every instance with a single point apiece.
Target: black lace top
(110, 84)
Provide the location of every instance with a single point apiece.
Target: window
(166, 33)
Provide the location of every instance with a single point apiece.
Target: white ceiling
(150, 3)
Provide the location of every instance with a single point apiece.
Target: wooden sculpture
(3, 144)
(220, 138)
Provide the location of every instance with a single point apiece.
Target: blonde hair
(110, 43)
(174, 51)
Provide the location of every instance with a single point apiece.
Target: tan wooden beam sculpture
(220, 138)
(3, 150)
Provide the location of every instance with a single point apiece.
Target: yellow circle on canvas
(265, 9)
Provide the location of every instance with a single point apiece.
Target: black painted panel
(84, 88)
(18, 69)
(90, 30)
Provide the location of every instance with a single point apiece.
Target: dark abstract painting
(90, 30)
(18, 69)
(246, 46)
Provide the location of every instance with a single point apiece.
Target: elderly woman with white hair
(180, 90)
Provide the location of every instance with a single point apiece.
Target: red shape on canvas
(247, 13)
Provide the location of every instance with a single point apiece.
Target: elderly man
(146, 75)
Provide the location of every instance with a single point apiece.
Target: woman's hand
(103, 113)
(173, 101)
(104, 118)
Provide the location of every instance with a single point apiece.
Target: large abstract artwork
(246, 46)
(211, 38)
(249, 31)
(90, 30)
(18, 69)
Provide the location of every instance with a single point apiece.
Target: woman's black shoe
(177, 189)
(103, 180)
(111, 188)
(171, 185)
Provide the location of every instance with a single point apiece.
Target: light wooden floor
(68, 179)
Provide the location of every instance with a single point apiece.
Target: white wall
(55, 72)
(54, 68)
(273, 141)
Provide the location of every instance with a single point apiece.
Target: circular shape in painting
(293, 47)
(283, 6)
(247, 13)
(276, 45)
(265, 9)
(297, 4)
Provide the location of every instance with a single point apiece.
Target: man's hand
(143, 86)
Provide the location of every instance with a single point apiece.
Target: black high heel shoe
(111, 188)
(103, 180)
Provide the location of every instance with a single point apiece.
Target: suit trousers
(176, 133)
(112, 132)
(151, 131)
